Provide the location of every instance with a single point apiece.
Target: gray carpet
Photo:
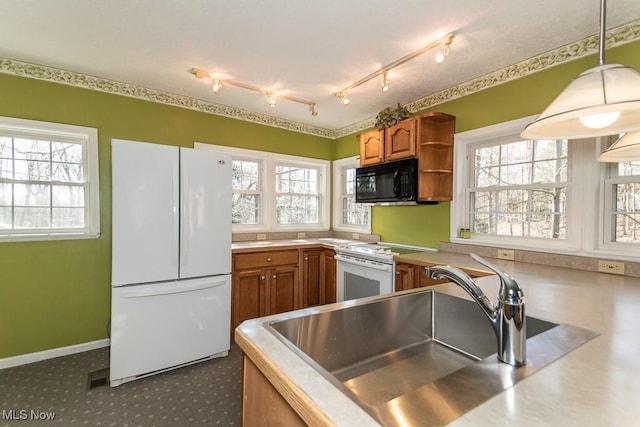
(207, 393)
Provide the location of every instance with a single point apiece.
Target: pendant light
(603, 100)
(625, 149)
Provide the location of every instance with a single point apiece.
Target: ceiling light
(445, 51)
(625, 149)
(271, 98)
(385, 82)
(446, 40)
(343, 98)
(603, 100)
(217, 86)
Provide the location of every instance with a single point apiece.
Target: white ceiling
(303, 48)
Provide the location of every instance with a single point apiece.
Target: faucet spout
(507, 317)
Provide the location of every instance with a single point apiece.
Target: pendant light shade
(604, 100)
(625, 149)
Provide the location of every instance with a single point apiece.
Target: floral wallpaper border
(617, 36)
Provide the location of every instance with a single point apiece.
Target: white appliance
(171, 258)
(364, 270)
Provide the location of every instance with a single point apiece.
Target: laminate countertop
(598, 384)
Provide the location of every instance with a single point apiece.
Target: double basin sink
(420, 358)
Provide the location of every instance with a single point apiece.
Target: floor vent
(98, 378)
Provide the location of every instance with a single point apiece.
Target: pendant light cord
(603, 12)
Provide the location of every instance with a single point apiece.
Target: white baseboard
(23, 359)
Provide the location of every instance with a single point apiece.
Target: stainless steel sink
(422, 358)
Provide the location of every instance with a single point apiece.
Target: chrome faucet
(507, 319)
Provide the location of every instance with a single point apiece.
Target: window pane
(32, 195)
(68, 217)
(5, 218)
(67, 172)
(627, 228)
(31, 149)
(27, 170)
(550, 171)
(296, 209)
(516, 152)
(67, 196)
(32, 217)
(245, 208)
(66, 153)
(515, 174)
(354, 213)
(245, 175)
(6, 147)
(6, 191)
(550, 149)
(487, 177)
(6, 168)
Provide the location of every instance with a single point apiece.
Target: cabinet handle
(268, 259)
(397, 273)
(306, 258)
(273, 277)
(262, 277)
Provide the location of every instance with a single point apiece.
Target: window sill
(47, 237)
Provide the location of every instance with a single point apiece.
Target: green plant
(390, 116)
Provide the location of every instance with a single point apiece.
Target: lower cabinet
(409, 276)
(318, 277)
(264, 283)
(272, 282)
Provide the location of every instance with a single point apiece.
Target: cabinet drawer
(265, 259)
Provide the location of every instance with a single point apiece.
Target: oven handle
(364, 262)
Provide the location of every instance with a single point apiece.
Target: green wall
(427, 225)
(57, 293)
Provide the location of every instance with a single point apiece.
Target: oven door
(359, 278)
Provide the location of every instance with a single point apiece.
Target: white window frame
(588, 197)
(88, 138)
(269, 161)
(339, 167)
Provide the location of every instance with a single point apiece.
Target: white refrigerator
(171, 258)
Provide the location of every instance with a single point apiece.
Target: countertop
(596, 384)
(266, 245)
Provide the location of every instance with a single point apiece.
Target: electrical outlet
(506, 254)
(301, 235)
(261, 236)
(355, 236)
(612, 267)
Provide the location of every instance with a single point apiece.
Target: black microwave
(393, 182)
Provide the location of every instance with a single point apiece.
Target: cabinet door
(282, 284)
(371, 148)
(329, 276)
(312, 286)
(248, 300)
(405, 278)
(400, 140)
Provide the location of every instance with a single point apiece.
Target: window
(622, 205)
(247, 192)
(347, 214)
(520, 189)
(48, 181)
(551, 196)
(297, 196)
(276, 192)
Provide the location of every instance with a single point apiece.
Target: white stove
(364, 270)
(368, 251)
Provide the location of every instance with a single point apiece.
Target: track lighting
(385, 82)
(217, 86)
(271, 97)
(271, 100)
(446, 41)
(445, 51)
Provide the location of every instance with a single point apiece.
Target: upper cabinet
(371, 147)
(393, 143)
(435, 157)
(400, 140)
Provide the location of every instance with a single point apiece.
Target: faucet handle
(510, 291)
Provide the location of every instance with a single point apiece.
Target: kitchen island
(595, 384)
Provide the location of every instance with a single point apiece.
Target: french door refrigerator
(171, 258)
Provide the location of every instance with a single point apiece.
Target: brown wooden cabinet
(264, 283)
(318, 277)
(400, 140)
(371, 147)
(405, 276)
(435, 156)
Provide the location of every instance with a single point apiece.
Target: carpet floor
(57, 392)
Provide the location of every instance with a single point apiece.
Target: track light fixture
(385, 82)
(446, 41)
(271, 97)
(445, 51)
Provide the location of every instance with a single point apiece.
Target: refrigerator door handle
(142, 291)
(175, 230)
